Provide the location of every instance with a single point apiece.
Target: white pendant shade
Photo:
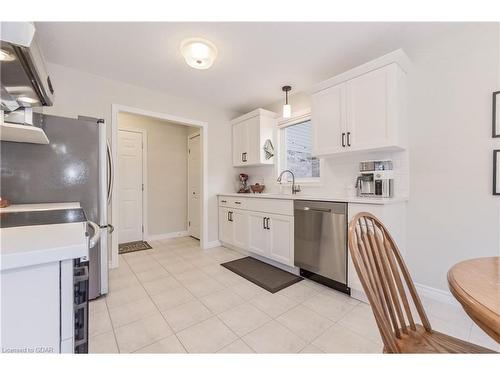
(199, 53)
(287, 110)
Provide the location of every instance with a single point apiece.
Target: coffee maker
(376, 179)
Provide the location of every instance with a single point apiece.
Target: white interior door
(130, 183)
(194, 188)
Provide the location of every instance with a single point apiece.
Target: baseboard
(435, 294)
(212, 244)
(165, 236)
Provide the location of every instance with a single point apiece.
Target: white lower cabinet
(266, 234)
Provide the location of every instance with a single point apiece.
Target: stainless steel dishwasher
(321, 242)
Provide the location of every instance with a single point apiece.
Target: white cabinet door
(226, 229)
(258, 236)
(253, 139)
(240, 228)
(240, 144)
(281, 238)
(328, 121)
(368, 107)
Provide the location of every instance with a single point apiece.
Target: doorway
(131, 185)
(199, 228)
(194, 184)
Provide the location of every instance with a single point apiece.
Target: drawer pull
(237, 202)
(223, 201)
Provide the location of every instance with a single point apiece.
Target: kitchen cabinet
(250, 132)
(362, 109)
(264, 233)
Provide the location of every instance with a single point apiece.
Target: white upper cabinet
(250, 133)
(362, 109)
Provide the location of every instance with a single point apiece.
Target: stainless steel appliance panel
(321, 238)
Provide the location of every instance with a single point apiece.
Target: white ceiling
(255, 59)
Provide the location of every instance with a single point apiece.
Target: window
(296, 151)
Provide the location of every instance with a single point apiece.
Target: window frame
(283, 123)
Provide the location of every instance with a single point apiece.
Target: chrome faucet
(295, 188)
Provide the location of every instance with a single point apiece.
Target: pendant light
(287, 109)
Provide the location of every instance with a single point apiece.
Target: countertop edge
(357, 200)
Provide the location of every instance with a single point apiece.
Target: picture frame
(496, 172)
(496, 115)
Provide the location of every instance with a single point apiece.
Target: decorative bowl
(257, 188)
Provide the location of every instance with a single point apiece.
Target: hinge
(189, 151)
(189, 223)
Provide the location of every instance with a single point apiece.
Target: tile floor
(176, 298)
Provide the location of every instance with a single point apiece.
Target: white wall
(451, 214)
(80, 93)
(166, 172)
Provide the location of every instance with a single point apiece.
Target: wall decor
(496, 172)
(496, 115)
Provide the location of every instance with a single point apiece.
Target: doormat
(271, 278)
(130, 247)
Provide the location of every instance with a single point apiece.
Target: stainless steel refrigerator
(74, 167)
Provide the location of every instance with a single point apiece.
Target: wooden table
(475, 283)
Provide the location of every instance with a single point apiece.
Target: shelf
(22, 133)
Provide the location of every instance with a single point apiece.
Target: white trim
(189, 137)
(165, 236)
(144, 135)
(117, 108)
(435, 294)
(212, 244)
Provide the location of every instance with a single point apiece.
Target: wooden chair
(386, 282)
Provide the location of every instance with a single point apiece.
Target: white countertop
(40, 207)
(38, 244)
(319, 198)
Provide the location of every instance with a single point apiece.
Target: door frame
(190, 136)
(144, 135)
(118, 108)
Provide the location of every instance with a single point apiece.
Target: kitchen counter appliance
(321, 242)
(376, 179)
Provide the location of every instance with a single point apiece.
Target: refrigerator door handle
(111, 170)
(97, 234)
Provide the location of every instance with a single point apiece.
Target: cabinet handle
(343, 139)
(223, 201)
(349, 139)
(267, 223)
(231, 216)
(244, 157)
(264, 222)
(237, 202)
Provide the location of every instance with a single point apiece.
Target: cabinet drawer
(273, 206)
(232, 202)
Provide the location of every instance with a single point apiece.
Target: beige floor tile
(177, 267)
(221, 301)
(479, 337)
(103, 343)
(203, 261)
(161, 285)
(214, 269)
(141, 333)
(304, 322)
(273, 304)
(126, 295)
(135, 259)
(152, 266)
(311, 349)
(168, 345)
(203, 286)
(186, 315)
(361, 321)
(97, 305)
(272, 337)
(208, 336)
(130, 312)
(128, 280)
(172, 298)
(299, 292)
(191, 275)
(339, 296)
(122, 270)
(236, 347)
(150, 275)
(228, 279)
(99, 322)
(168, 258)
(244, 318)
(248, 290)
(339, 339)
(328, 307)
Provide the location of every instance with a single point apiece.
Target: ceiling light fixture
(199, 53)
(287, 109)
(6, 55)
